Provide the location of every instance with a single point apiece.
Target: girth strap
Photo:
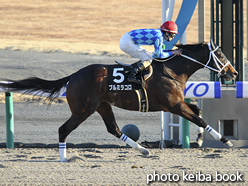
(143, 100)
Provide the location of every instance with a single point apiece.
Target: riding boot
(141, 66)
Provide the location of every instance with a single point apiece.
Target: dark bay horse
(87, 91)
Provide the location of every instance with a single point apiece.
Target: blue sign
(241, 89)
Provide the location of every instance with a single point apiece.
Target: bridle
(219, 65)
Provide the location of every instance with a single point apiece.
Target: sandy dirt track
(123, 167)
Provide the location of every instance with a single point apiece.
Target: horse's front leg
(199, 138)
(107, 114)
(184, 110)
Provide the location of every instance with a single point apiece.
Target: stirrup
(132, 78)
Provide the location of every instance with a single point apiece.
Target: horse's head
(223, 66)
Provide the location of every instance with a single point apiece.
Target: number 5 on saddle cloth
(117, 81)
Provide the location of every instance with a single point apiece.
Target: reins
(164, 60)
(215, 58)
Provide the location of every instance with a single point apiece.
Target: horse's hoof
(199, 139)
(199, 142)
(228, 144)
(144, 151)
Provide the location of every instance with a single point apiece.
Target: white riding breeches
(128, 46)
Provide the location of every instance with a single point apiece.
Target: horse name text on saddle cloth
(117, 78)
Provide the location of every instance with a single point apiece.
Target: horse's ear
(212, 43)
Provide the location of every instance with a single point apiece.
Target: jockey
(131, 41)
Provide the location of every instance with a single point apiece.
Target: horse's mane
(189, 48)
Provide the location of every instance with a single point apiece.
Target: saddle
(145, 74)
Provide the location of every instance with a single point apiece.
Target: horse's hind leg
(200, 130)
(105, 110)
(71, 124)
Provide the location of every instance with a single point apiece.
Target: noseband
(219, 65)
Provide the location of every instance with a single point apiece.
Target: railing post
(9, 120)
(185, 128)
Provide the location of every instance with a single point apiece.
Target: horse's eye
(219, 54)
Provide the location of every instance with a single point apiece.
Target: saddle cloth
(117, 81)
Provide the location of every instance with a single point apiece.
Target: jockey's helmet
(169, 26)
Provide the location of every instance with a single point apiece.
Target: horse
(87, 91)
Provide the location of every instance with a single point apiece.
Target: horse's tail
(37, 86)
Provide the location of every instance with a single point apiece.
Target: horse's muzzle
(229, 77)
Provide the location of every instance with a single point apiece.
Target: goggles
(171, 34)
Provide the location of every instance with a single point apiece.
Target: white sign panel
(196, 89)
